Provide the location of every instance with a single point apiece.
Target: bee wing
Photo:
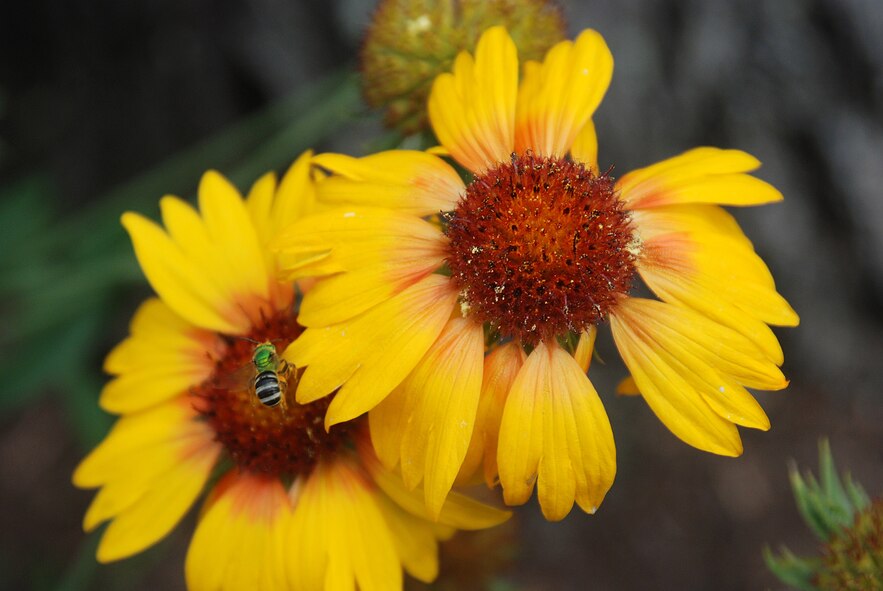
(240, 379)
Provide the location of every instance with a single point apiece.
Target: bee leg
(283, 392)
(283, 369)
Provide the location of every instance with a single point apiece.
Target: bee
(271, 380)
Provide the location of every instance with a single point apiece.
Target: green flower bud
(410, 42)
(853, 558)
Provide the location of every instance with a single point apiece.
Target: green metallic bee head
(265, 356)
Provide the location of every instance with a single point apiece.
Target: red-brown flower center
(285, 440)
(540, 247)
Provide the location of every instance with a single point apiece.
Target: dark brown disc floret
(284, 440)
(540, 247)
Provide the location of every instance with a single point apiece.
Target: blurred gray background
(94, 93)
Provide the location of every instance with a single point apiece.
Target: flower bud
(410, 42)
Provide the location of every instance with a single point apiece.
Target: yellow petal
(181, 284)
(158, 336)
(459, 511)
(627, 387)
(138, 389)
(370, 355)
(167, 428)
(473, 109)
(441, 399)
(415, 540)
(152, 466)
(713, 272)
(701, 175)
(555, 431)
(260, 205)
(296, 196)
(375, 253)
(557, 99)
(690, 370)
(411, 182)
(163, 357)
(159, 508)
(585, 146)
(386, 422)
(585, 347)
(232, 234)
(500, 369)
(337, 521)
(241, 538)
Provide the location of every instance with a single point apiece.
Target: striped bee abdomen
(266, 388)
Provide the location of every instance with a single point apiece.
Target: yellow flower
(525, 260)
(294, 506)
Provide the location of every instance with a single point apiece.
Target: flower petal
(627, 387)
(232, 234)
(181, 284)
(240, 540)
(585, 146)
(701, 175)
(555, 432)
(174, 454)
(441, 398)
(374, 253)
(296, 195)
(557, 99)
(163, 357)
(338, 523)
(500, 369)
(585, 347)
(459, 511)
(259, 203)
(691, 370)
(370, 355)
(473, 109)
(711, 272)
(411, 182)
(415, 539)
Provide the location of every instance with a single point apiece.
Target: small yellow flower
(525, 260)
(295, 507)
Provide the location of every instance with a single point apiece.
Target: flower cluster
(334, 354)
